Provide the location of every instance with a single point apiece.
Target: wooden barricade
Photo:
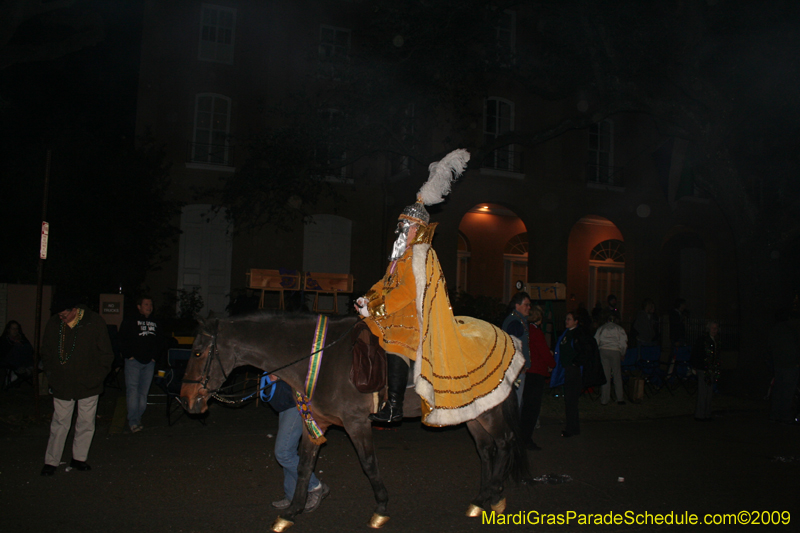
(273, 281)
(326, 283)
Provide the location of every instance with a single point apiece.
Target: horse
(280, 345)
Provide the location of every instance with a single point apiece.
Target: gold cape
(464, 366)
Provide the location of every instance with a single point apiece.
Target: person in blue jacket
(516, 324)
(570, 355)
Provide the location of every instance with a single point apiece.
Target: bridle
(213, 354)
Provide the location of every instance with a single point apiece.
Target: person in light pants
(612, 341)
(76, 356)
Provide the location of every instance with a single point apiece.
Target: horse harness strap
(303, 399)
(212, 355)
(317, 349)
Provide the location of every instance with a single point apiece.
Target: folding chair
(170, 384)
(14, 377)
(680, 369)
(593, 393)
(649, 365)
(630, 372)
(117, 373)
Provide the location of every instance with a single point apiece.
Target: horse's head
(204, 371)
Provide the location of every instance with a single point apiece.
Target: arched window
(611, 250)
(517, 245)
(204, 259)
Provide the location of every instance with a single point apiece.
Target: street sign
(43, 246)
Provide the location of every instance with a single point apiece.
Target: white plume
(442, 175)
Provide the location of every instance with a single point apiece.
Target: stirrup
(387, 414)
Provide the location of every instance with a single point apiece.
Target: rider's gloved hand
(361, 307)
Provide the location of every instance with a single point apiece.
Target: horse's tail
(517, 468)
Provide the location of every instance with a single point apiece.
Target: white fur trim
(418, 259)
(451, 417)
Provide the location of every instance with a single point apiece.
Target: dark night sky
(82, 106)
(92, 89)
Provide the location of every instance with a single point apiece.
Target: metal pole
(39, 273)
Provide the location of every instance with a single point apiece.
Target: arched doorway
(204, 260)
(607, 272)
(326, 248)
(595, 263)
(515, 262)
(684, 271)
(495, 251)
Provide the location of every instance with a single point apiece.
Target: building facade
(605, 208)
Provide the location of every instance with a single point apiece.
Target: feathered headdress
(442, 175)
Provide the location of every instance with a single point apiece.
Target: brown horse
(281, 344)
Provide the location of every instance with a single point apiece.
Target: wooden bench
(273, 281)
(326, 283)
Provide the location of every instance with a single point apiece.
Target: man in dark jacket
(141, 344)
(77, 356)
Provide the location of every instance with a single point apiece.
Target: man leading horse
(464, 366)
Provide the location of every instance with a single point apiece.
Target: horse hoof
(377, 521)
(474, 511)
(500, 506)
(281, 524)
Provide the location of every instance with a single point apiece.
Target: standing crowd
(571, 362)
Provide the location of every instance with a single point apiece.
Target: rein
(213, 353)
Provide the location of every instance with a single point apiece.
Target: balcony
(605, 175)
(209, 155)
(508, 159)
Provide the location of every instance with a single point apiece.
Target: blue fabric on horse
(282, 397)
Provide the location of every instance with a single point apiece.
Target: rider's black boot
(397, 379)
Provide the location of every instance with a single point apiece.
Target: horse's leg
(360, 432)
(500, 468)
(308, 456)
(486, 451)
(501, 423)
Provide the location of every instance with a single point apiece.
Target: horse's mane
(274, 315)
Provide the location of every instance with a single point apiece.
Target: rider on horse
(464, 365)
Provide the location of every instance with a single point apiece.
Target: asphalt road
(221, 477)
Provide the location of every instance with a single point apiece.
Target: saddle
(368, 372)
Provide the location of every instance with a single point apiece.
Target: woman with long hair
(16, 352)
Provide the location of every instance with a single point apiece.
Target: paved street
(221, 477)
